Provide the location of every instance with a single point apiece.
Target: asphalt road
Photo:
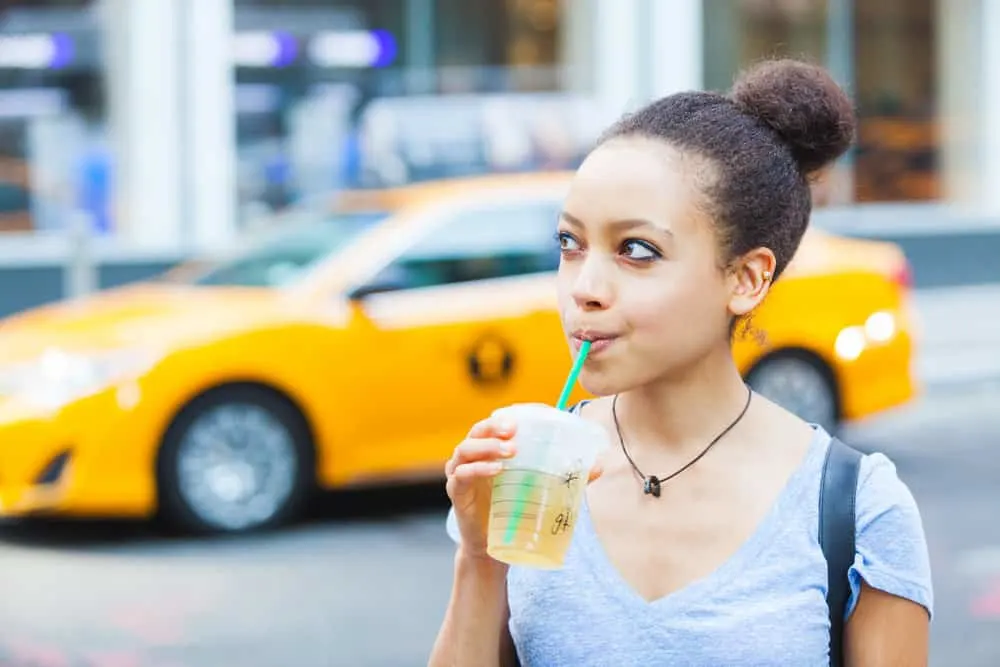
(365, 581)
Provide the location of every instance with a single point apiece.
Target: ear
(750, 280)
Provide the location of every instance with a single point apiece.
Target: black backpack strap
(836, 535)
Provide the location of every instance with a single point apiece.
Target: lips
(599, 341)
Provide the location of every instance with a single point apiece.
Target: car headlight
(880, 327)
(58, 377)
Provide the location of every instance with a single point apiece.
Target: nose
(593, 285)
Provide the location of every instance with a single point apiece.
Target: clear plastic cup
(537, 496)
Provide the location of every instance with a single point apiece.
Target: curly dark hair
(782, 121)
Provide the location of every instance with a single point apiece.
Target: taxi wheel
(801, 383)
(236, 459)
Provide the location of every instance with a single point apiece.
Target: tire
(237, 459)
(802, 384)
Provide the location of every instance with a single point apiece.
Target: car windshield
(283, 256)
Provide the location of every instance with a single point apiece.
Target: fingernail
(496, 466)
(505, 427)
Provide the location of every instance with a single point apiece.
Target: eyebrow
(626, 224)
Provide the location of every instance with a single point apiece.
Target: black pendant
(651, 486)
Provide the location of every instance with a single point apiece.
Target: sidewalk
(948, 246)
(959, 337)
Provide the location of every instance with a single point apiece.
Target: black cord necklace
(651, 484)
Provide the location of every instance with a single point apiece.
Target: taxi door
(453, 327)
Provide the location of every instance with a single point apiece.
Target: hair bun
(803, 105)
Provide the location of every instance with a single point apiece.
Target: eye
(640, 251)
(566, 242)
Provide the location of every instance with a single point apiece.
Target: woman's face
(640, 273)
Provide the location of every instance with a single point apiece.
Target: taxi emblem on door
(491, 360)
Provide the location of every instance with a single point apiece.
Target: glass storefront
(351, 70)
(740, 32)
(891, 47)
(303, 69)
(53, 157)
(494, 36)
(895, 70)
(334, 94)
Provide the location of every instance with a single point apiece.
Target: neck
(684, 412)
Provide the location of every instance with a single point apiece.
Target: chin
(607, 376)
(598, 383)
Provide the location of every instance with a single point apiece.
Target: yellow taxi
(356, 347)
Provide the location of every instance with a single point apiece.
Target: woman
(673, 231)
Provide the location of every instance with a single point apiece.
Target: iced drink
(540, 535)
(537, 497)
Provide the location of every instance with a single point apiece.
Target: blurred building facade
(173, 122)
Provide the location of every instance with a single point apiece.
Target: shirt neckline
(791, 496)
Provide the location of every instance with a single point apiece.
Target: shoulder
(879, 482)
(884, 501)
(891, 547)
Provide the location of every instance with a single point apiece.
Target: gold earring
(767, 276)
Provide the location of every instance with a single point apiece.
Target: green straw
(529, 481)
(573, 374)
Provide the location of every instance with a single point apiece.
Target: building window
(489, 33)
(896, 95)
(54, 158)
(738, 33)
(893, 51)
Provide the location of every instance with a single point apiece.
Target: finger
(479, 449)
(492, 427)
(595, 472)
(477, 470)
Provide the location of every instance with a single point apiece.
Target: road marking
(982, 564)
(987, 605)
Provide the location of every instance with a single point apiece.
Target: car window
(284, 256)
(486, 243)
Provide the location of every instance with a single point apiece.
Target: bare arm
(886, 631)
(474, 632)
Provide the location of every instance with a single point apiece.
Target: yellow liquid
(532, 515)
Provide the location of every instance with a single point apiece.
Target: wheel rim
(799, 387)
(236, 466)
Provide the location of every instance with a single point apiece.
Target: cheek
(684, 304)
(564, 292)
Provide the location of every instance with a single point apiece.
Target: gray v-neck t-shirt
(766, 605)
